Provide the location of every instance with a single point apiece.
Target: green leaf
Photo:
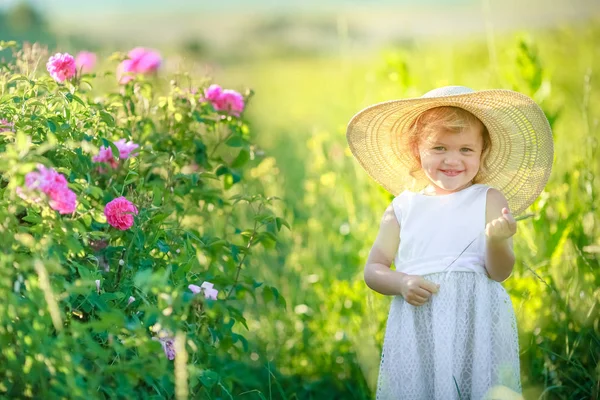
(73, 244)
(7, 44)
(241, 159)
(18, 78)
(222, 170)
(51, 125)
(282, 222)
(107, 143)
(142, 278)
(95, 192)
(107, 118)
(267, 239)
(209, 378)
(235, 141)
(162, 246)
(264, 218)
(72, 97)
(32, 217)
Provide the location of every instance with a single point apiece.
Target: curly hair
(446, 119)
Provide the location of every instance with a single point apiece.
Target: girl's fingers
(417, 303)
(506, 214)
(422, 293)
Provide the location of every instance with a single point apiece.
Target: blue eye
(466, 149)
(439, 148)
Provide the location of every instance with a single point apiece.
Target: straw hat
(519, 161)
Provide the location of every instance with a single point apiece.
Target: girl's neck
(434, 190)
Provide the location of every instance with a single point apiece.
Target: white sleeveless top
(434, 230)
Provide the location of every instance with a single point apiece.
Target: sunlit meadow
(192, 286)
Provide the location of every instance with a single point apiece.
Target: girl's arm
(415, 289)
(378, 275)
(500, 227)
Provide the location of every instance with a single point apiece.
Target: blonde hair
(446, 119)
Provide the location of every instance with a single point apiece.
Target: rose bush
(112, 209)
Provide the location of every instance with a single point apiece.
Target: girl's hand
(501, 228)
(416, 290)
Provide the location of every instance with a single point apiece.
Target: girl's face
(451, 160)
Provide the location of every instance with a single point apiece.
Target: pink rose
(139, 61)
(213, 93)
(125, 71)
(119, 213)
(85, 61)
(125, 148)
(63, 201)
(61, 67)
(105, 154)
(226, 100)
(145, 60)
(233, 102)
(54, 185)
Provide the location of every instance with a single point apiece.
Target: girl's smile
(451, 160)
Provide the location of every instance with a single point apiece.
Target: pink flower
(207, 287)
(61, 67)
(119, 213)
(213, 93)
(131, 300)
(139, 61)
(194, 288)
(6, 125)
(226, 100)
(125, 71)
(168, 344)
(105, 155)
(125, 148)
(64, 202)
(54, 185)
(85, 61)
(145, 60)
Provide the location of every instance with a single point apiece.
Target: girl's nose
(451, 161)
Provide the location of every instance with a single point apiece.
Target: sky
(59, 7)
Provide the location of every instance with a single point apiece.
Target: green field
(326, 342)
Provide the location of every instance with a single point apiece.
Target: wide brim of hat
(519, 161)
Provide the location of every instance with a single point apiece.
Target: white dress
(463, 342)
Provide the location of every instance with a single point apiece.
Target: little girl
(458, 161)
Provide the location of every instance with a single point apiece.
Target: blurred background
(312, 65)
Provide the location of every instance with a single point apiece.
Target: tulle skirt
(462, 344)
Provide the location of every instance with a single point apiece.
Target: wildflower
(54, 185)
(207, 287)
(139, 61)
(119, 213)
(61, 67)
(125, 148)
(98, 285)
(228, 101)
(131, 300)
(167, 342)
(85, 61)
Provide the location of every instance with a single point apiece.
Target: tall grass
(332, 330)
